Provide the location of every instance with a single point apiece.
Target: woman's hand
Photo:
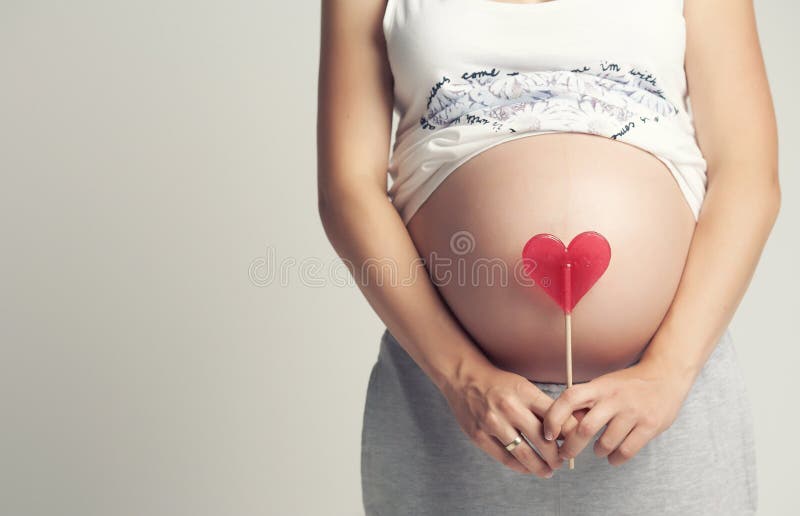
(493, 406)
(637, 403)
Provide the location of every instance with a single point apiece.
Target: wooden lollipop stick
(584, 261)
(568, 328)
(568, 319)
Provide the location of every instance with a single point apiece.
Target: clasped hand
(493, 407)
(636, 403)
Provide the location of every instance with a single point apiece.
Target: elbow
(323, 205)
(330, 201)
(769, 200)
(775, 200)
(772, 193)
(348, 195)
(341, 207)
(326, 212)
(769, 186)
(760, 190)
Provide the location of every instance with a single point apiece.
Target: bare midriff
(471, 231)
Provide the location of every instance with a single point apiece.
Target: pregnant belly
(471, 231)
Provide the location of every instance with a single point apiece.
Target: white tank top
(470, 74)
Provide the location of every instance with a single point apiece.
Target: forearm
(369, 235)
(737, 216)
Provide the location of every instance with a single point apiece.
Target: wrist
(469, 370)
(462, 369)
(680, 371)
(669, 354)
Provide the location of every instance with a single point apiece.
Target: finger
(490, 445)
(523, 452)
(579, 414)
(614, 434)
(572, 422)
(531, 427)
(587, 428)
(570, 400)
(630, 446)
(539, 403)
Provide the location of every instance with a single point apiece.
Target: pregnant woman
(563, 116)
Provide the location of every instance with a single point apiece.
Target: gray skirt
(416, 460)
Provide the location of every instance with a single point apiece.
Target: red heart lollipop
(546, 258)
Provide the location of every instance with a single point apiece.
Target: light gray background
(153, 155)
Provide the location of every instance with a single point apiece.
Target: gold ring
(513, 444)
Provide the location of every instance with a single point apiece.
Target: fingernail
(549, 475)
(548, 435)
